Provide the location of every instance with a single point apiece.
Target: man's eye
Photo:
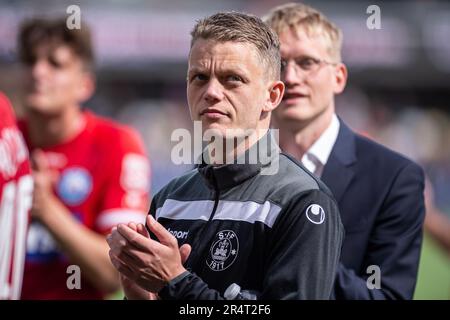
(233, 78)
(199, 77)
(306, 63)
(54, 63)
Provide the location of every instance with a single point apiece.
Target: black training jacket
(276, 234)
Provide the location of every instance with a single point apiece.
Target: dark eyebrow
(231, 68)
(196, 70)
(235, 70)
(306, 57)
(225, 71)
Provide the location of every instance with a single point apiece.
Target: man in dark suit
(379, 192)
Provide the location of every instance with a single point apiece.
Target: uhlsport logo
(179, 234)
(223, 251)
(315, 214)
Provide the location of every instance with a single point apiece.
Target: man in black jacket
(379, 192)
(267, 225)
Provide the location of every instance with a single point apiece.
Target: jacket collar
(264, 152)
(345, 150)
(339, 170)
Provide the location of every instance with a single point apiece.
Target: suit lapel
(339, 170)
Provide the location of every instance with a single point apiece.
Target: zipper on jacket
(195, 254)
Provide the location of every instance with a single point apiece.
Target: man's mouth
(293, 95)
(37, 88)
(213, 113)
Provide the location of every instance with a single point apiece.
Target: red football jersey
(16, 186)
(103, 180)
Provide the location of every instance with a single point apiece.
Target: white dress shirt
(317, 156)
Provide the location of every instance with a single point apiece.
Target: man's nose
(39, 69)
(291, 76)
(214, 91)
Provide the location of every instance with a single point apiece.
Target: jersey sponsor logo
(41, 246)
(75, 185)
(223, 251)
(135, 173)
(315, 214)
(179, 234)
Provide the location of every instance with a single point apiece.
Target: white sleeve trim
(110, 218)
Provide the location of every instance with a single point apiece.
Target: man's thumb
(185, 251)
(39, 160)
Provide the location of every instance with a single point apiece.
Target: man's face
(308, 94)
(227, 85)
(54, 80)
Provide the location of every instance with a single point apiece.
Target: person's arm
(84, 247)
(155, 267)
(305, 250)
(125, 193)
(149, 263)
(124, 199)
(131, 290)
(394, 244)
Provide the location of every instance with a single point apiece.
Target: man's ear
(276, 91)
(340, 75)
(87, 86)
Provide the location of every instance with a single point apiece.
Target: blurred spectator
(90, 173)
(16, 187)
(379, 192)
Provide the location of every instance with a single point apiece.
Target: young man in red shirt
(90, 173)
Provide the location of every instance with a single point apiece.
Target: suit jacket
(380, 198)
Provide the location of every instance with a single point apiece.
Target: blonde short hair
(245, 28)
(298, 16)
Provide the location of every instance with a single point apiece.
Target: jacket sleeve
(305, 249)
(187, 286)
(303, 253)
(394, 244)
